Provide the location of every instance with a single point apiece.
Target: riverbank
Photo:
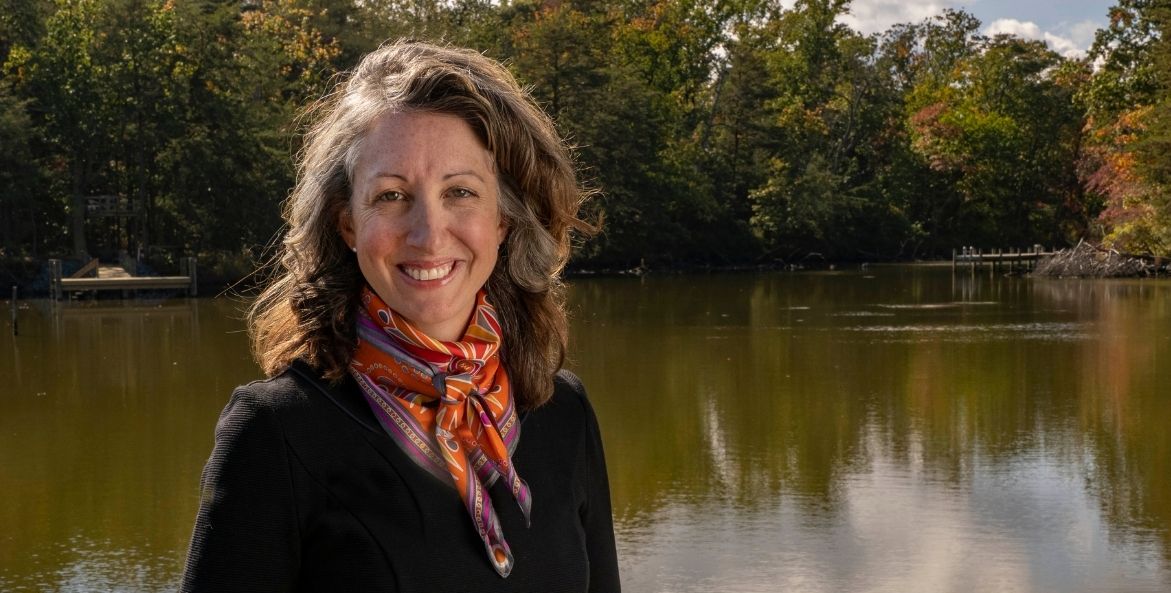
(32, 277)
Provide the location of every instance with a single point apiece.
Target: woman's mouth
(424, 274)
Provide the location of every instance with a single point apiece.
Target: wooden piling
(194, 288)
(1004, 260)
(55, 279)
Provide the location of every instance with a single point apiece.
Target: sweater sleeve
(246, 535)
(596, 514)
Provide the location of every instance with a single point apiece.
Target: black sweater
(304, 491)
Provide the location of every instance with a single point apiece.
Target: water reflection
(905, 429)
(106, 421)
(910, 431)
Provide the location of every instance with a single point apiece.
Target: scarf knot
(448, 406)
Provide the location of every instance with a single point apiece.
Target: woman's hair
(307, 311)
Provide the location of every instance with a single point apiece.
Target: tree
(1004, 126)
(25, 220)
(819, 192)
(175, 111)
(67, 80)
(1125, 162)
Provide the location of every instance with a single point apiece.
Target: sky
(1067, 26)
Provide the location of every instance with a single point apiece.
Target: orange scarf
(448, 406)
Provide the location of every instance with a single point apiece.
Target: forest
(717, 133)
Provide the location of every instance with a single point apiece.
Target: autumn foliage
(719, 133)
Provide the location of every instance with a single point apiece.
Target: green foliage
(1006, 130)
(21, 229)
(180, 111)
(718, 133)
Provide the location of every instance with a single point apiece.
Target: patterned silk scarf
(448, 406)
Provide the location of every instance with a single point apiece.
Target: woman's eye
(460, 192)
(390, 196)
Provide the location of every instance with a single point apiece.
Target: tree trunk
(78, 213)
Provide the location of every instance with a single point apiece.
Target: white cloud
(1029, 30)
(1081, 33)
(876, 16)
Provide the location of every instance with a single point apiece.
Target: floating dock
(108, 278)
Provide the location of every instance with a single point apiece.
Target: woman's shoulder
(295, 392)
(298, 404)
(569, 406)
(284, 390)
(565, 381)
(562, 435)
(568, 392)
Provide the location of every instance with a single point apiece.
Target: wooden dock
(116, 278)
(999, 259)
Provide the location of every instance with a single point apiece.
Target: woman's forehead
(416, 146)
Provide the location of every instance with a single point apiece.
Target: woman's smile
(428, 273)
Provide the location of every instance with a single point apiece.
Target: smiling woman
(424, 218)
(414, 330)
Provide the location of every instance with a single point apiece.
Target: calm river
(894, 429)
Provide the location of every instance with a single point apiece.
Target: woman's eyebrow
(383, 175)
(467, 172)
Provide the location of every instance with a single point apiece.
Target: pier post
(55, 279)
(193, 289)
(15, 331)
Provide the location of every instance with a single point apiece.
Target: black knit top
(304, 491)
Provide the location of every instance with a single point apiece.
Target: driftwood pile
(1086, 260)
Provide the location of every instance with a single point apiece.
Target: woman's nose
(428, 223)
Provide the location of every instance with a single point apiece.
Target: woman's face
(425, 218)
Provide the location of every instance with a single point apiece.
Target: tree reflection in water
(912, 428)
(895, 429)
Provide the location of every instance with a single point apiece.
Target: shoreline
(34, 283)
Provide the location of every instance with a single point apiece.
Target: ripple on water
(991, 332)
(82, 565)
(943, 305)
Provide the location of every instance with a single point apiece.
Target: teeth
(428, 273)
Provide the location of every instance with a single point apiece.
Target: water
(896, 429)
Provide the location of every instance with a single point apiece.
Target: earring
(354, 249)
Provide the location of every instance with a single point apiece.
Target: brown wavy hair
(307, 310)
